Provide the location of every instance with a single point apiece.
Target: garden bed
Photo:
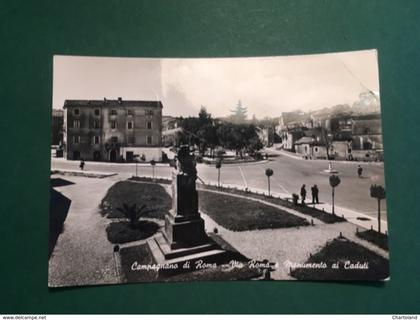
(308, 210)
(238, 214)
(354, 262)
(123, 232)
(378, 239)
(154, 196)
(305, 209)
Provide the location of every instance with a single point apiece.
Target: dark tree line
(206, 132)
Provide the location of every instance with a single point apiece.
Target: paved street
(289, 175)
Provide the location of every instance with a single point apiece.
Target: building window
(76, 112)
(96, 124)
(114, 139)
(96, 139)
(97, 112)
(130, 125)
(76, 123)
(76, 139)
(149, 112)
(149, 140)
(316, 149)
(149, 124)
(113, 112)
(113, 124)
(130, 112)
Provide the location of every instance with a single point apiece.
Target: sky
(267, 86)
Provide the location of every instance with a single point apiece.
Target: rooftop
(305, 140)
(113, 103)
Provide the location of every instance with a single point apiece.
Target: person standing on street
(303, 193)
(359, 171)
(315, 191)
(82, 164)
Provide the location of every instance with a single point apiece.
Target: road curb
(79, 173)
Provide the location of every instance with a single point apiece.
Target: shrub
(132, 213)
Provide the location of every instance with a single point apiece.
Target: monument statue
(186, 163)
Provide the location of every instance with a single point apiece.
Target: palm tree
(378, 192)
(269, 172)
(334, 182)
(132, 213)
(218, 166)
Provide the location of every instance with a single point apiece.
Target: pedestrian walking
(303, 193)
(82, 164)
(359, 171)
(315, 192)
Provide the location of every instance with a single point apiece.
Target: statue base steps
(163, 253)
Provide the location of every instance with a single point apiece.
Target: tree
(199, 131)
(218, 167)
(378, 192)
(238, 137)
(133, 213)
(269, 172)
(334, 182)
(239, 114)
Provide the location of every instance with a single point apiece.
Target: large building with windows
(112, 130)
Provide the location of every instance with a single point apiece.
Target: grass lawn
(313, 212)
(143, 256)
(379, 239)
(344, 253)
(154, 196)
(238, 214)
(122, 232)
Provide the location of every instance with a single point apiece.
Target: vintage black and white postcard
(260, 168)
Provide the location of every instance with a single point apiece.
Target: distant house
(266, 135)
(290, 137)
(112, 130)
(57, 122)
(171, 131)
(341, 145)
(294, 119)
(367, 132)
(341, 150)
(310, 148)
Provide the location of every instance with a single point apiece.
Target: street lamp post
(334, 181)
(136, 159)
(218, 166)
(378, 192)
(269, 172)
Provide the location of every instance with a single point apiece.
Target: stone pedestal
(183, 225)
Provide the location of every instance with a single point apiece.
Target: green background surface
(31, 32)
